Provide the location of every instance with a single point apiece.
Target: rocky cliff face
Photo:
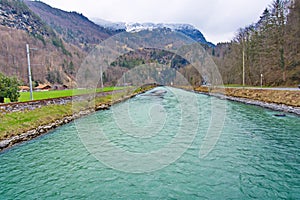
(16, 15)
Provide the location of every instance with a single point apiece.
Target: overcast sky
(218, 20)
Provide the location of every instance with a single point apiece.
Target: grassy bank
(16, 123)
(290, 98)
(25, 96)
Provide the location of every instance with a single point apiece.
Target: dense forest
(269, 48)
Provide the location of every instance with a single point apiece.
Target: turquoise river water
(257, 155)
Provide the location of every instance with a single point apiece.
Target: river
(256, 154)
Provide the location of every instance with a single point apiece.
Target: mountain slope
(63, 40)
(15, 14)
(186, 29)
(73, 27)
(54, 60)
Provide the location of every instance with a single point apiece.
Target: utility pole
(261, 80)
(29, 71)
(124, 79)
(243, 66)
(101, 77)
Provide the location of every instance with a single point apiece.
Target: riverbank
(279, 100)
(26, 124)
(19, 126)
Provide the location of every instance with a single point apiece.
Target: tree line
(268, 49)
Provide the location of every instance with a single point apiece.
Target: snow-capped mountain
(110, 25)
(135, 27)
(186, 29)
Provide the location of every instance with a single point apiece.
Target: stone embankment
(4, 144)
(46, 128)
(31, 105)
(283, 101)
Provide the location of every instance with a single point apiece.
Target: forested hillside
(53, 60)
(73, 27)
(269, 47)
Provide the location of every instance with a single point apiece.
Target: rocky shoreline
(4, 144)
(223, 93)
(273, 106)
(41, 130)
(31, 105)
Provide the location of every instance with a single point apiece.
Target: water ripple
(257, 156)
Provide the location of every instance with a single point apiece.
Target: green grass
(25, 96)
(19, 122)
